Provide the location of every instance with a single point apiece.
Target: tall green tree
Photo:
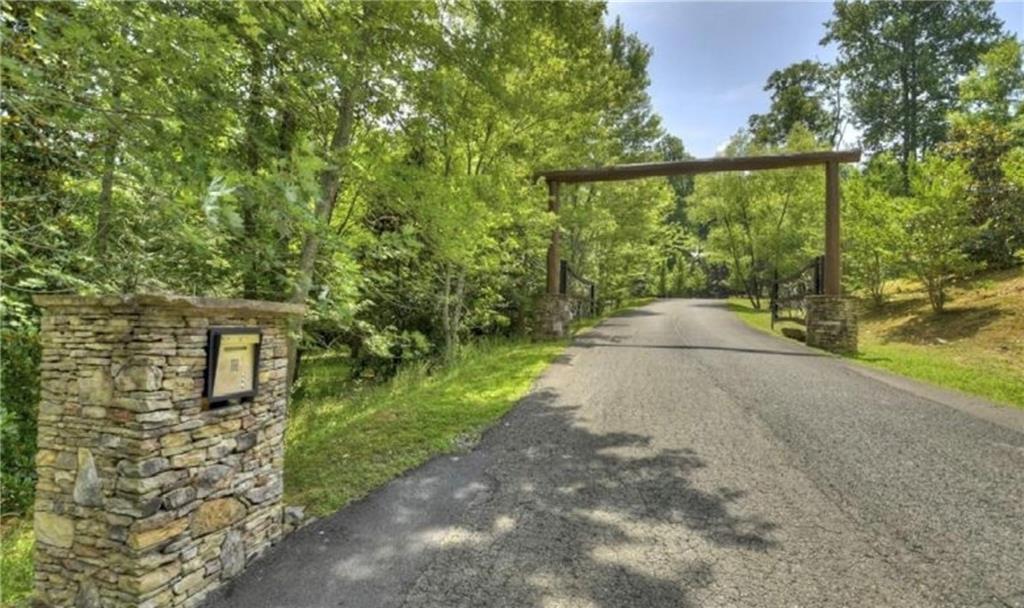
(901, 61)
(871, 226)
(624, 235)
(635, 128)
(681, 272)
(808, 93)
(936, 227)
(985, 127)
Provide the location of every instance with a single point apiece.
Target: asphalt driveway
(675, 457)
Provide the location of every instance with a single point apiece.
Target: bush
(19, 400)
(385, 350)
(936, 222)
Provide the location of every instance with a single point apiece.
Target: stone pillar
(832, 323)
(148, 496)
(553, 316)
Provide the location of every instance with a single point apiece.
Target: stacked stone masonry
(147, 496)
(832, 323)
(554, 314)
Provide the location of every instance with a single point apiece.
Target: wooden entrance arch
(829, 159)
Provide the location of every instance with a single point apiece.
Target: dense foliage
(765, 224)
(806, 93)
(986, 128)
(19, 385)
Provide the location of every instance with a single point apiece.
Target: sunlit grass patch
(16, 570)
(944, 366)
(970, 363)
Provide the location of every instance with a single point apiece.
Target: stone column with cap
(147, 496)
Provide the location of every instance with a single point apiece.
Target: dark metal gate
(581, 292)
(788, 295)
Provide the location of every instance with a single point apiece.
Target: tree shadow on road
(709, 303)
(635, 312)
(585, 519)
(556, 515)
(597, 336)
(599, 339)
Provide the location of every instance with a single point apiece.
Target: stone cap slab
(196, 305)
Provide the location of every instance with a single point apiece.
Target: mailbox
(232, 364)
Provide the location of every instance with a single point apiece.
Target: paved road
(674, 457)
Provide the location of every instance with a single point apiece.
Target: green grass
(758, 319)
(16, 544)
(341, 445)
(940, 364)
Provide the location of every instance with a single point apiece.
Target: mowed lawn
(975, 346)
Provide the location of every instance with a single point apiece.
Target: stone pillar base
(553, 316)
(832, 323)
(150, 494)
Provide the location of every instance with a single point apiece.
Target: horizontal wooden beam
(702, 165)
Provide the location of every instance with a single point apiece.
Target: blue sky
(711, 59)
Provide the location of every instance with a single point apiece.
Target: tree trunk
(105, 204)
(460, 292)
(446, 312)
(104, 211)
(330, 186)
(908, 78)
(878, 281)
(451, 312)
(252, 158)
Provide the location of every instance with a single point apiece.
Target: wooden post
(554, 254)
(833, 269)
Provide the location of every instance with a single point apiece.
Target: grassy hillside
(975, 346)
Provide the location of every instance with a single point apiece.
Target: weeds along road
(675, 457)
